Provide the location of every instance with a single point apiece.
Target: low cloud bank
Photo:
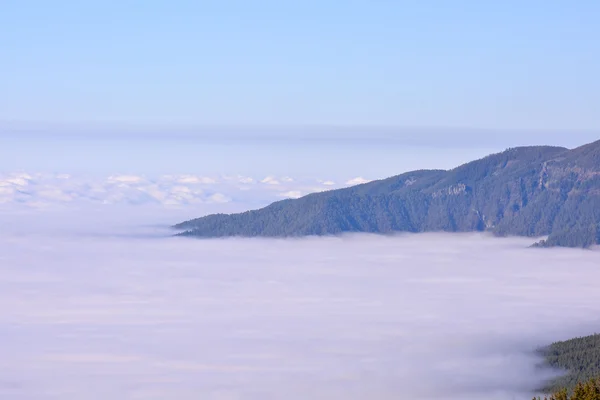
(432, 316)
(22, 191)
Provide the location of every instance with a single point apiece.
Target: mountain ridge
(527, 191)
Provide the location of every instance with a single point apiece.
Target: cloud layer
(359, 317)
(43, 189)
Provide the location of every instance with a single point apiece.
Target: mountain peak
(531, 191)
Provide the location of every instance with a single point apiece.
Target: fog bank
(432, 316)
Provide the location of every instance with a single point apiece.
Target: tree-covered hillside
(529, 191)
(579, 357)
(584, 390)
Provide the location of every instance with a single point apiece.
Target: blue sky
(171, 64)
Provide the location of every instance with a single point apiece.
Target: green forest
(589, 390)
(580, 358)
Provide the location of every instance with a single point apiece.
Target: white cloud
(196, 179)
(219, 198)
(157, 193)
(6, 190)
(431, 316)
(54, 194)
(17, 179)
(270, 180)
(27, 189)
(23, 190)
(125, 179)
(357, 181)
(292, 194)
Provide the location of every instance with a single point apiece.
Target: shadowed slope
(529, 191)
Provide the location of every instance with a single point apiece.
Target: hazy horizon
(338, 154)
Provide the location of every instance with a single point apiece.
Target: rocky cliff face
(530, 191)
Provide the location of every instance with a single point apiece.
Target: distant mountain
(529, 191)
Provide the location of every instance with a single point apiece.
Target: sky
(182, 64)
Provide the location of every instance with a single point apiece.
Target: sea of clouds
(94, 307)
(172, 190)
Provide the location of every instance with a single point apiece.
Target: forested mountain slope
(578, 357)
(530, 191)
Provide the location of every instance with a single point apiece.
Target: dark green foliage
(529, 191)
(590, 390)
(580, 357)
